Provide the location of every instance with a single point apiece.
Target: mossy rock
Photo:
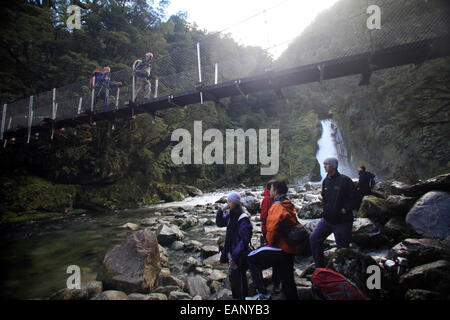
(374, 208)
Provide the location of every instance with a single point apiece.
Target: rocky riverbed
(172, 253)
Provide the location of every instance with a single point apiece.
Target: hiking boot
(259, 296)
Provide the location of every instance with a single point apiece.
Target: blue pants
(342, 234)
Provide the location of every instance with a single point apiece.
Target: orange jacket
(281, 215)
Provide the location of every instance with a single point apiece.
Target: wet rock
(438, 183)
(214, 286)
(171, 281)
(149, 221)
(419, 251)
(208, 251)
(133, 266)
(138, 296)
(251, 204)
(193, 191)
(190, 264)
(163, 256)
(432, 276)
(366, 234)
(375, 209)
(179, 295)
(430, 215)
(222, 200)
(215, 230)
(167, 234)
(224, 294)
(197, 286)
(111, 295)
(156, 296)
(353, 265)
(311, 210)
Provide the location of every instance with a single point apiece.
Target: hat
(149, 54)
(331, 161)
(362, 167)
(234, 197)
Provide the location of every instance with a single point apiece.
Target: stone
(311, 210)
(167, 234)
(224, 294)
(149, 221)
(432, 276)
(430, 216)
(375, 209)
(157, 296)
(190, 264)
(178, 295)
(419, 251)
(87, 291)
(172, 281)
(131, 226)
(177, 245)
(163, 256)
(217, 275)
(133, 266)
(166, 290)
(396, 228)
(193, 191)
(213, 260)
(111, 295)
(366, 234)
(251, 204)
(420, 294)
(192, 246)
(400, 205)
(208, 251)
(196, 285)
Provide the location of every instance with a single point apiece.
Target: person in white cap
(237, 240)
(142, 69)
(338, 199)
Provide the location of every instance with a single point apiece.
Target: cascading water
(331, 144)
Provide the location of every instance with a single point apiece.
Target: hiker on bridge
(103, 84)
(338, 194)
(141, 72)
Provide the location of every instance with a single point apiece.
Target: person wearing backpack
(266, 203)
(365, 183)
(141, 71)
(277, 254)
(101, 82)
(237, 240)
(338, 199)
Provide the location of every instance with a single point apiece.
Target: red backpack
(331, 285)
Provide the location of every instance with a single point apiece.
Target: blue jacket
(239, 231)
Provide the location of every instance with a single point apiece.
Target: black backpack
(294, 235)
(371, 180)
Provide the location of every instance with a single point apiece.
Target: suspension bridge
(401, 42)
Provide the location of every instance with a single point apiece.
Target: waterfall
(331, 144)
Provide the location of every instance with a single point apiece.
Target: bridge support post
(216, 73)
(79, 105)
(30, 118)
(5, 106)
(156, 87)
(199, 70)
(117, 97)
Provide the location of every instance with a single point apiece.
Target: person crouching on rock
(237, 239)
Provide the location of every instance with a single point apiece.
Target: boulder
(419, 251)
(222, 200)
(251, 204)
(133, 266)
(438, 183)
(167, 234)
(353, 265)
(170, 280)
(212, 261)
(217, 275)
(397, 229)
(193, 191)
(166, 290)
(149, 221)
(375, 209)
(196, 285)
(430, 215)
(111, 295)
(193, 246)
(208, 251)
(399, 205)
(163, 256)
(177, 245)
(432, 276)
(312, 210)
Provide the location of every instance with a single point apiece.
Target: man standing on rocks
(338, 199)
(365, 183)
